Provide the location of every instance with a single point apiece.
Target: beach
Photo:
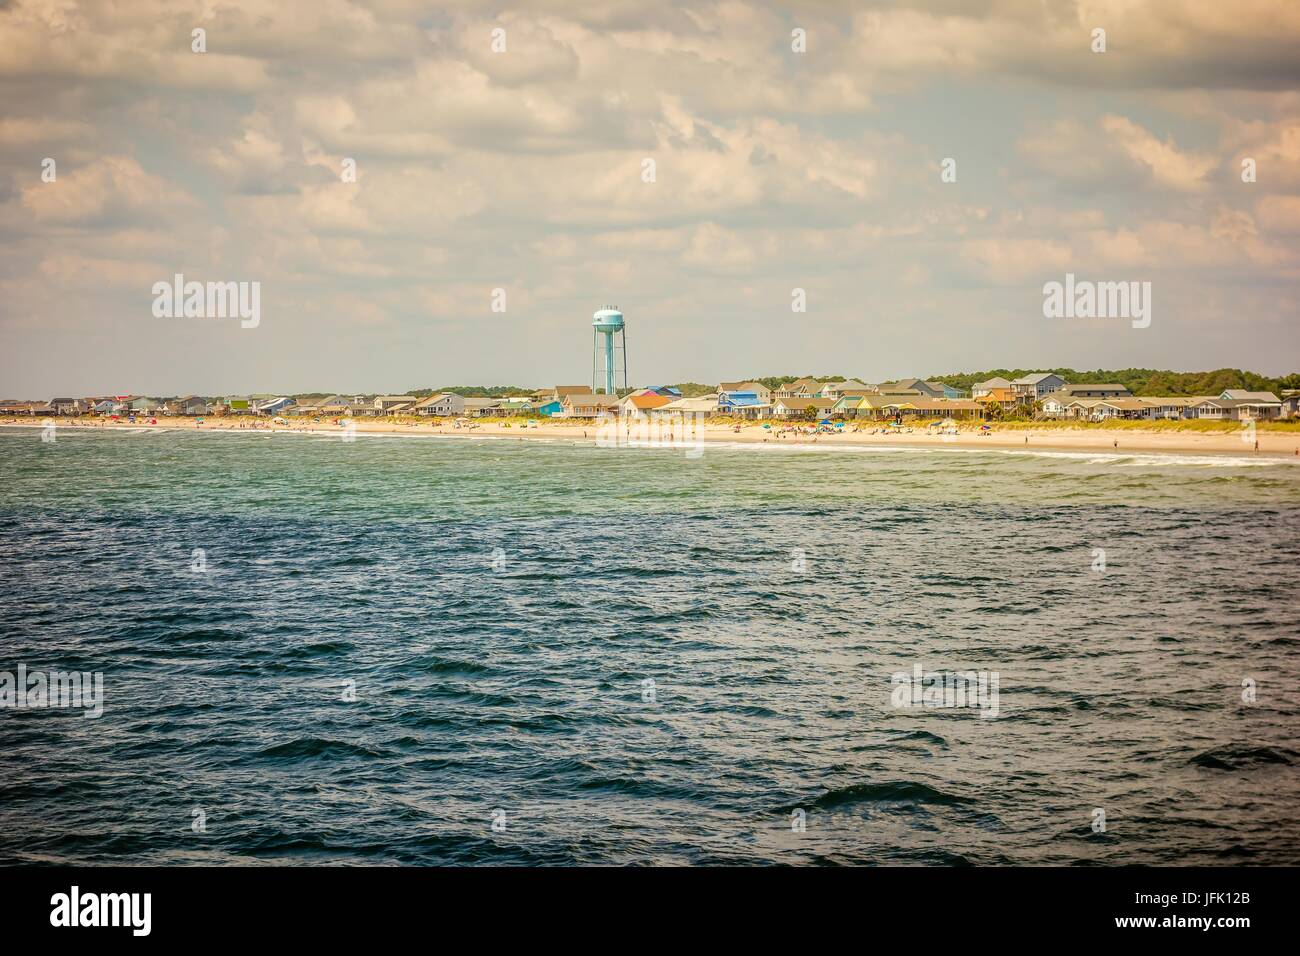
(968, 436)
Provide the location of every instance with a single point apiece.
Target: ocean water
(501, 607)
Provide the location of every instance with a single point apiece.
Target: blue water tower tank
(607, 320)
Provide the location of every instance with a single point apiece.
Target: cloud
(1113, 153)
(525, 170)
(1169, 167)
(111, 192)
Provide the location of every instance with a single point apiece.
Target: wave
(1234, 757)
(307, 747)
(899, 791)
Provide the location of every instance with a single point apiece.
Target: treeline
(770, 381)
(1141, 381)
(694, 389)
(473, 391)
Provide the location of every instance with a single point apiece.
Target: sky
(504, 189)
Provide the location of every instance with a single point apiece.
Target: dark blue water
(500, 606)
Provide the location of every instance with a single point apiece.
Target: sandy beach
(1002, 436)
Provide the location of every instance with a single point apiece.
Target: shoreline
(1272, 445)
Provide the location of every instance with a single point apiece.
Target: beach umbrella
(766, 425)
(984, 428)
(824, 421)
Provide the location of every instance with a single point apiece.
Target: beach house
(837, 390)
(1170, 406)
(108, 406)
(477, 407)
(1238, 405)
(796, 408)
(316, 406)
(393, 404)
(589, 405)
(847, 405)
(799, 388)
(986, 388)
(68, 406)
(1002, 396)
(441, 405)
(559, 393)
(515, 405)
(937, 407)
(1095, 390)
(758, 388)
(187, 405)
(26, 408)
(640, 404)
(1100, 409)
(909, 386)
(1055, 403)
(1054, 406)
(742, 405)
(871, 405)
(268, 406)
(1035, 387)
(667, 391)
(703, 405)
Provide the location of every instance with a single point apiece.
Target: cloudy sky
(523, 170)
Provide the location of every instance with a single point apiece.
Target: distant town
(1029, 396)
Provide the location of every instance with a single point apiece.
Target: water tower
(608, 352)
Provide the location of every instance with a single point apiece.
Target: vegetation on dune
(1288, 427)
